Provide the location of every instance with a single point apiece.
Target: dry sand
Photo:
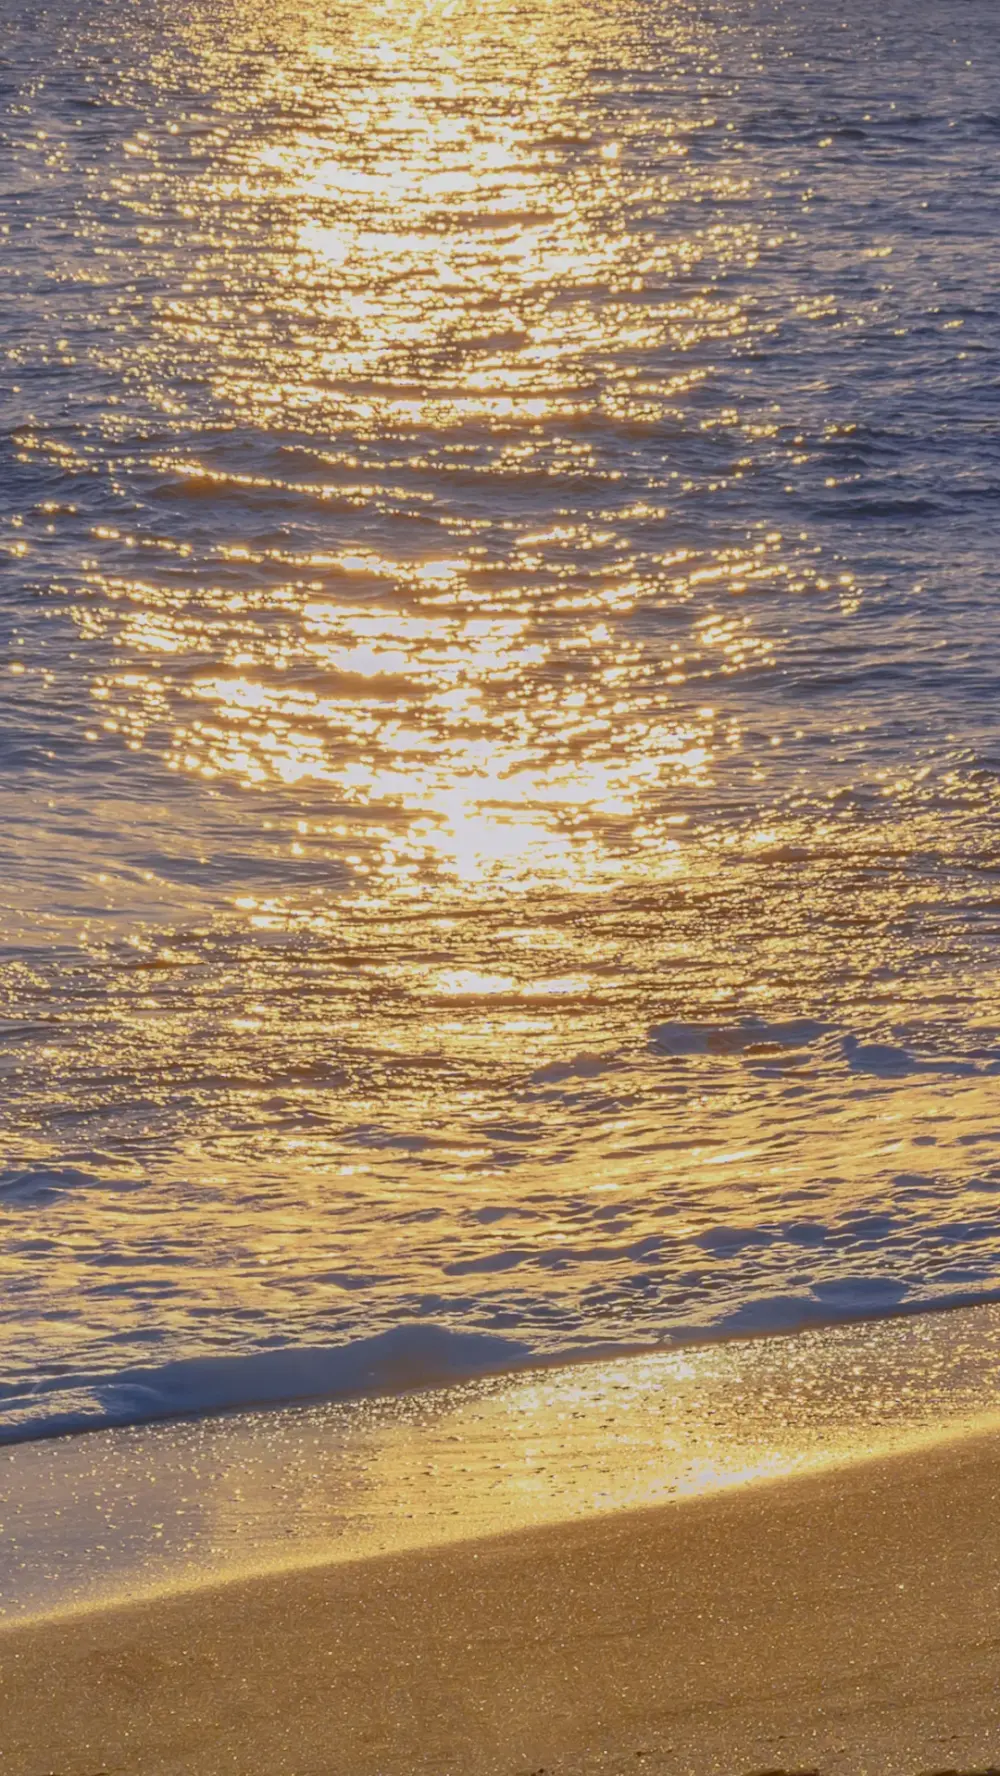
(845, 1622)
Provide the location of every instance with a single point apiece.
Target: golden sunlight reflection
(488, 843)
(503, 761)
(500, 703)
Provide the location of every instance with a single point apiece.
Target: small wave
(886, 1061)
(34, 1187)
(751, 1035)
(581, 1066)
(413, 1356)
(755, 1039)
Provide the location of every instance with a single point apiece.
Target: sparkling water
(499, 735)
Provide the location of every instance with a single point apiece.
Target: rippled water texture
(499, 742)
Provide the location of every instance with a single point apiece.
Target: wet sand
(848, 1621)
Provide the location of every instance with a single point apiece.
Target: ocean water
(499, 639)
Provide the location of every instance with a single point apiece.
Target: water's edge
(143, 1510)
(408, 1359)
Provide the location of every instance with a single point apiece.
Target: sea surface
(499, 684)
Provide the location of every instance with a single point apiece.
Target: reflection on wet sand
(133, 1512)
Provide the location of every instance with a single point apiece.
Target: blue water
(498, 633)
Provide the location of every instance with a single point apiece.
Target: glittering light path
(498, 691)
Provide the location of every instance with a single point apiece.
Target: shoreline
(152, 1510)
(842, 1622)
(537, 1363)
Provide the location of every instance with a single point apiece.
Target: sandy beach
(499, 888)
(846, 1622)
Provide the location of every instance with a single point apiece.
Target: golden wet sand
(846, 1622)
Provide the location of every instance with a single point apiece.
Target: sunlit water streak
(498, 756)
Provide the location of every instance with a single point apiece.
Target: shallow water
(498, 751)
(140, 1510)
